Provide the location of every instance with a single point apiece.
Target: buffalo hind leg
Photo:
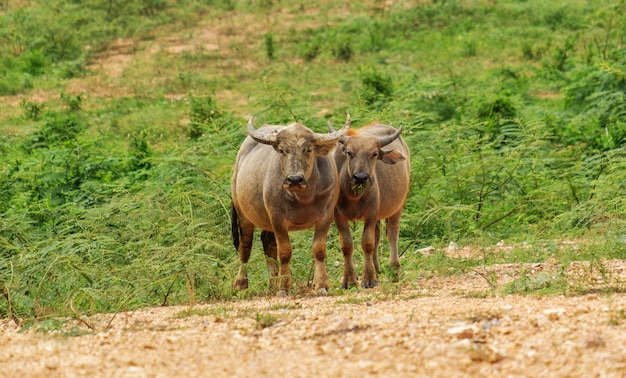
(393, 232)
(376, 244)
(246, 232)
(271, 257)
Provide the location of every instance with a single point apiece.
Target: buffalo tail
(234, 226)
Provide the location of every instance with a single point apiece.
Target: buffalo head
(362, 152)
(297, 147)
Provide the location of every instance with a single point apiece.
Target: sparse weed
(32, 110)
(354, 300)
(617, 317)
(191, 312)
(264, 320)
(268, 40)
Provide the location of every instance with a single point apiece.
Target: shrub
(202, 111)
(377, 87)
(32, 110)
(57, 128)
(596, 107)
(268, 43)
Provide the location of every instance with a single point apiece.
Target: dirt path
(435, 330)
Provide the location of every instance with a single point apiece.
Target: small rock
(86, 361)
(279, 323)
(554, 314)
(134, 371)
(452, 247)
(540, 321)
(485, 354)
(388, 318)
(462, 331)
(344, 325)
(426, 251)
(486, 325)
(595, 342)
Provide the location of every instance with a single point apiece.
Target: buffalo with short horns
(284, 179)
(374, 170)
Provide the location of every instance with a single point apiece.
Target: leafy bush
(32, 110)
(13, 83)
(202, 111)
(311, 45)
(343, 50)
(596, 101)
(56, 129)
(377, 87)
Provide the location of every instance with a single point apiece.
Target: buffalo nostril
(295, 179)
(360, 178)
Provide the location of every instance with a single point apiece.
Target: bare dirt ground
(436, 328)
(454, 326)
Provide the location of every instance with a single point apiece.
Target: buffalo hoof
(322, 291)
(281, 293)
(241, 284)
(368, 285)
(347, 286)
(394, 275)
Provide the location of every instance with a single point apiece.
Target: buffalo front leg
(271, 257)
(320, 277)
(347, 247)
(368, 240)
(284, 251)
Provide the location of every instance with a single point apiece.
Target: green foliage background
(514, 110)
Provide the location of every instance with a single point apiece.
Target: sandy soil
(438, 327)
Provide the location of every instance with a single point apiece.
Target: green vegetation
(191, 312)
(264, 320)
(121, 120)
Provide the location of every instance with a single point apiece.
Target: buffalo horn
(334, 135)
(389, 138)
(259, 137)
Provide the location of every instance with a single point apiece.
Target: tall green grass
(514, 113)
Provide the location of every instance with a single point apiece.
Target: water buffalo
(374, 169)
(284, 179)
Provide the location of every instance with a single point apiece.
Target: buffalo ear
(324, 149)
(391, 157)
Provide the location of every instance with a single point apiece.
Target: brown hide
(374, 171)
(284, 179)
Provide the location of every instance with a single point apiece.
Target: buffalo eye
(348, 154)
(280, 151)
